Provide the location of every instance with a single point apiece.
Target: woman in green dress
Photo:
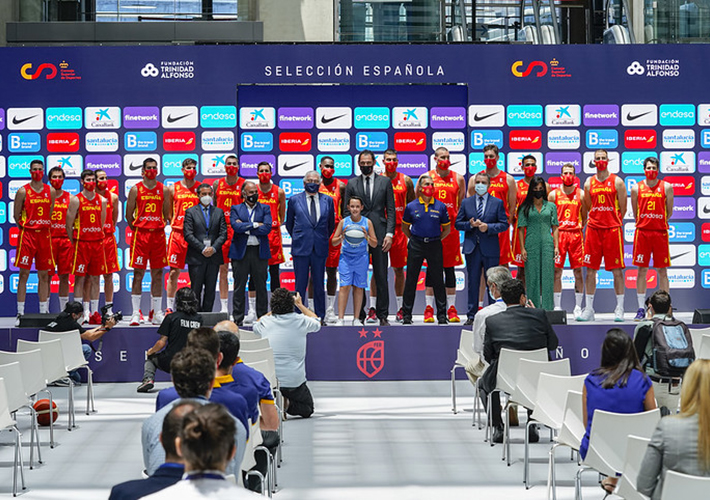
(539, 243)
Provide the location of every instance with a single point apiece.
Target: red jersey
(651, 213)
(569, 209)
(605, 206)
(522, 191)
(183, 199)
(446, 190)
(35, 212)
(271, 198)
(87, 225)
(228, 195)
(59, 215)
(499, 189)
(334, 192)
(149, 207)
(399, 186)
(109, 228)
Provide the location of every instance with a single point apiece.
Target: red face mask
(37, 175)
(490, 162)
(57, 183)
(101, 185)
(530, 171)
(651, 175)
(327, 172)
(428, 190)
(265, 177)
(89, 185)
(151, 173)
(190, 174)
(601, 164)
(568, 179)
(391, 166)
(443, 164)
(232, 170)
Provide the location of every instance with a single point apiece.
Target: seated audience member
(618, 386)
(173, 336)
(286, 331)
(496, 276)
(192, 372)
(681, 443)
(171, 471)
(206, 444)
(518, 327)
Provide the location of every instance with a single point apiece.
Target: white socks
(63, 303)
(558, 300)
(373, 300)
(450, 301)
(620, 301)
(20, 308)
(429, 300)
(399, 300)
(157, 304)
(171, 303)
(642, 300)
(225, 307)
(44, 307)
(87, 308)
(252, 305)
(578, 296)
(331, 301)
(94, 306)
(136, 302)
(590, 302)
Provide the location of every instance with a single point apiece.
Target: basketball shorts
(451, 246)
(277, 250)
(148, 248)
(111, 253)
(227, 244)
(63, 253)
(89, 258)
(398, 252)
(506, 255)
(571, 244)
(177, 249)
(606, 243)
(353, 270)
(333, 254)
(35, 245)
(649, 243)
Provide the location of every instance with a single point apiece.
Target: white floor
(393, 440)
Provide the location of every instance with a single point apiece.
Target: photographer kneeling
(67, 321)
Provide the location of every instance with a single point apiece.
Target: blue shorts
(353, 270)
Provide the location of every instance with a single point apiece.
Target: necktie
(206, 215)
(314, 218)
(479, 209)
(367, 189)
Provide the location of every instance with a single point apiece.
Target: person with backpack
(665, 348)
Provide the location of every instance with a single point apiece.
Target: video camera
(105, 316)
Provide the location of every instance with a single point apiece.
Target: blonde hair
(695, 399)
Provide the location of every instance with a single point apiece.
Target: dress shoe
(468, 322)
(497, 435)
(407, 321)
(384, 322)
(513, 415)
(533, 434)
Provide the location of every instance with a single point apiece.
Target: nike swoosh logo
(477, 118)
(323, 119)
(673, 257)
(17, 121)
(288, 167)
(706, 209)
(631, 117)
(172, 119)
(134, 167)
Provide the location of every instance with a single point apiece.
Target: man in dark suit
(481, 217)
(250, 251)
(171, 471)
(205, 231)
(518, 327)
(378, 197)
(310, 220)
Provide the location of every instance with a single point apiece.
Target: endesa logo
(524, 115)
(29, 72)
(683, 185)
(410, 141)
(64, 118)
(179, 141)
(632, 161)
(218, 116)
(536, 68)
(372, 118)
(640, 138)
(525, 139)
(677, 114)
(295, 141)
(66, 142)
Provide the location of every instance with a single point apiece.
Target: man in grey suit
(378, 196)
(205, 231)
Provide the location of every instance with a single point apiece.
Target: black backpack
(672, 347)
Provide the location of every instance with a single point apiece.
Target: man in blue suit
(250, 251)
(310, 220)
(481, 217)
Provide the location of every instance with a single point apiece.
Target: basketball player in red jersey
(450, 189)
(335, 188)
(181, 196)
(147, 210)
(652, 203)
(605, 199)
(572, 215)
(32, 211)
(61, 246)
(110, 248)
(85, 227)
(227, 192)
(529, 169)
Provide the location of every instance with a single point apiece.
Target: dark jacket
(165, 476)
(306, 237)
(195, 232)
(380, 209)
(493, 215)
(262, 214)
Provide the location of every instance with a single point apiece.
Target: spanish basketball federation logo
(370, 358)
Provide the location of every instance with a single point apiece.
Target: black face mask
(538, 194)
(366, 169)
(252, 198)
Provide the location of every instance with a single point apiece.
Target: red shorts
(276, 247)
(398, 252)
(603, 242)
(650, 242)
(333, 254)
(148, 247)
(452, 249)
(34, 244)
(517, 254)
(228, 243)
(89, 258)
(63, 253)
(506, 256)
(111, 254)
(571, 243)
(177, 249)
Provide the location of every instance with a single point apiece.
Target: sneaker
(169, 311)
(513, 416)
(136, 319)
(619, 314)
(587, 314)
(146, 386)
(150, 316)
(399, 318)
(86, 318)
(250, 318)
(337, 322)
(640, 314)
(443, 321)
(17, 321)
(330, 316)
(577, 312)
(231, 318)
(429, 314)
(158, 317)
(357, 322)
(371, 317)
(453, 315)
(480, 307)
(95, 319)
(407, 321)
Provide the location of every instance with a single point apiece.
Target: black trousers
(203, 281)
(300, 400)
(496, 417)
(417, 251)
(250, 266)
(380, 265)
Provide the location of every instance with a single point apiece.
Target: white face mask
(206, 200)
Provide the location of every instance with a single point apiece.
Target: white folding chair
(247, 335)
(703, 350)
(697, 335)
(678, 485)
(604, 454)
(463, 357)
(267, 483)
(34, 382)
(570, 435)
(54, 368)
(635, 451)
(253, 344)
(6, 422)
(266, 368)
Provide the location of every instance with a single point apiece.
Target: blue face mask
(311, 187)
(481, 188)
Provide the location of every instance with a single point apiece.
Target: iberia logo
(295, 141)
(63, 142)
(683, 185)
(410, 141)
(370, 358)
(179, 141)
(640, 139)
(539, 69)
(49, 70)
(525, 139)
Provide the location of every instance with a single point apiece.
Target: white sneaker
(87, 317)
(158, 317)
(577, 312)
(330, 317)
(250, 318)
(231, 318)
(357, 322)
(17, 321)
(587, 314)
(135, 319)
(337, 322)
(619, 314)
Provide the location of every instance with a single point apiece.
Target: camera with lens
(106, 316)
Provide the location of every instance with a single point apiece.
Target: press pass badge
(207, 243)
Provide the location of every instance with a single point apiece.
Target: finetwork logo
(257, 118)
(684, 208)
(601, 115)
(448, 118)
(639, 115)
(524, 115)
(563, 115)
(602, 138)
(677, 162)
(555, 160)
(563, 139)
(108, 117)
(405, 117)
(222, 140)
(334, 118)
(101, 142)
(678, 139)
(64, 118)
(25, 118)
(249, 162)
(374, 141)
(179, 117)
(453, 141)
(140, 141)
(110, 163)
(333, 142)
(481, 138)
(141, 117)
(486, 115)
(372, 118)
(295, 118)
(256, 141)
(704, 162)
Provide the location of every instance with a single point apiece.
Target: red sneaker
(371, 317)
(95, 319)
(150, 316)
(453, 315)
(400, 316)
(429, 314)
